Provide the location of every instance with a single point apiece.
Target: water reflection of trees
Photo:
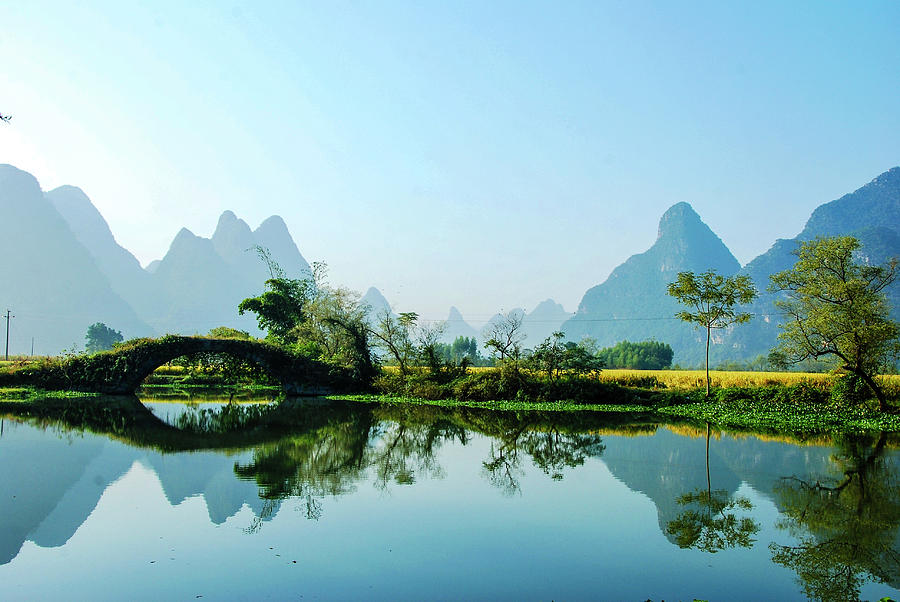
(309, 450)
(845, 523)
(403, 450)
(325, 461)
(710, 522)
(550, 450)
(400, 446)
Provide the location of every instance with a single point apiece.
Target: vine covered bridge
(121, 372)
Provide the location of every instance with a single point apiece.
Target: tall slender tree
(711, 299)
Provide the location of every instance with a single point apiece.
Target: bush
(801, 393)
(850, 389)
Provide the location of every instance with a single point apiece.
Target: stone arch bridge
(121, 372)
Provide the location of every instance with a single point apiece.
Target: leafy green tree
(464, 347)
(335, 330)
(281, 308)
(580, 361)
(711, 300)
(314, 318)
(550, 355)
(836, 306)
(429, 346)
(646, 355)
(100, 337)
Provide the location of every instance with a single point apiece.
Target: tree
(646, 355)
(549, 356)
(313, 318)
(335, 330)
(464, 347)
(395, 335)
(836, 307)
(712, 299)
(281, 308)
(580, 361)
(428, 341)
(505, 335)
(100, 337)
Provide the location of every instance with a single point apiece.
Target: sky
(487, 155)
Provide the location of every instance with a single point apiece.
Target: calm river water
(358, 501)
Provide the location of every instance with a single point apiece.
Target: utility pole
(7, 333)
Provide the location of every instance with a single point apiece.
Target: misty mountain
(200, 281)
(545, 319)
(377, 304)
(71, 272)
(633, 304)
(455, 326)
(126, 277)
(870, 213)
(52, 283)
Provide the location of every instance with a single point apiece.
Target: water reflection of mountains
(314, 450)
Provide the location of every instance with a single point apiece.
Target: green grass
(31, 394)
(552, 406)
(782, 416)
(734, 412)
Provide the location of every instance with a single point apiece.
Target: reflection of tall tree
(406, 449)
(846, 523)
(709, 522)
(331, 459)
(503, 468)
(327, 461)
(551, 450)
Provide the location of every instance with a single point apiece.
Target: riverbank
(773, 402)
(772, 415)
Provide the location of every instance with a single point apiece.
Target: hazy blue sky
(482, 154)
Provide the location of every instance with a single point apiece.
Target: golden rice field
(692, 379)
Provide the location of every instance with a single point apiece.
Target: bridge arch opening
(212, 369)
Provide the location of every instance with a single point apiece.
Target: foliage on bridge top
(122, 370)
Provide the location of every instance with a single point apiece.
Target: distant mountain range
(63, 270)
(632, 303)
